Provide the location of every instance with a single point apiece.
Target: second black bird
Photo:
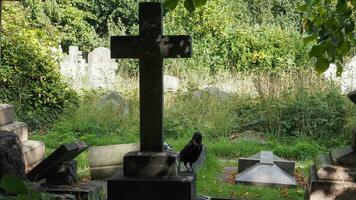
(192, 150)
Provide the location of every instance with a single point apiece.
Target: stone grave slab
(6, 114)
(326, 170)
(93, 190)
(66, 152)
(333, 175)
(19, 128)
(265, 168)
(106, 161)
(33, 153)
(329, 190)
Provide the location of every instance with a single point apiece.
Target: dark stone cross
(151, 47)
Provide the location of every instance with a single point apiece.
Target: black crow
(192, 150)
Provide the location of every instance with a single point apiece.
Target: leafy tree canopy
(330, 24)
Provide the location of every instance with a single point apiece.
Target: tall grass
(286, 104)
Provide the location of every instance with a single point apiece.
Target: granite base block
(105, 172)
(151, 164)
(170, 188)
(6, 114)
(93, 190)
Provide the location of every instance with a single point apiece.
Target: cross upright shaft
(150, 47)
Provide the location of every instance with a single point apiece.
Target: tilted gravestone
(265, 168)
(60, 171)
(151, 173)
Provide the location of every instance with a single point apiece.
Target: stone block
(172, 188)
(325, 170)
(151, 164)
(92, 190)
(6, 114)
(344, 156)
(33, 153)
(329, 190)
(105, 172)
(19, 128)
(111, 155)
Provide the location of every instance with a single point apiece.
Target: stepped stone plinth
(33, 151)
(6, 114)
(19, 128)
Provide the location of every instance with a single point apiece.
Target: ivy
(330, 26)
(190, 5)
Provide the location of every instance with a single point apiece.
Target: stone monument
(267, 169)
(101, 69)
(151, 173)
(333, 175)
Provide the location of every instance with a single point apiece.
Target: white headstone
(171, 83)
(348, 76)
(102, 69)
(73, 67)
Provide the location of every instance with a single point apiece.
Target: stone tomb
(151, 173)
(333, 175)
(33, 151)
(265, 168)
(60, 172)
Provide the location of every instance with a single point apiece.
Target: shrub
(305, 113)
(29, 75)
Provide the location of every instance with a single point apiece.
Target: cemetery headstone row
(98, 73)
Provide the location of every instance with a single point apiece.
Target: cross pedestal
(151, 173)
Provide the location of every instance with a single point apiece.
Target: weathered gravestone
(59, 170)
(151, 174)
(333, 176)
(102, 69)
(265, 168)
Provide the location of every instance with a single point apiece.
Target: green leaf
(13, 185)
(199, 3)
(310, 38)
(188, 4)
(321, 65)
(350, 27)
(344, 48)
(171, 4)
(318, 50)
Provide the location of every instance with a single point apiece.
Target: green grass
(296, 116)
(208, 176)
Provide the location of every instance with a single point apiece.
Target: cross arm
(179, 46)
(125, 47)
